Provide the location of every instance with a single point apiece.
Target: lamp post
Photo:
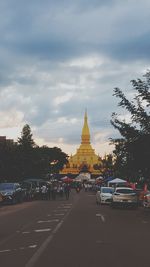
(52, 166)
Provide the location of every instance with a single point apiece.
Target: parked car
(104, 195)
(11, 192)
(1, 198)
(146, 200)
(124, 197)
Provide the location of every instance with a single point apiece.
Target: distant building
(4, 141)
(85, 158)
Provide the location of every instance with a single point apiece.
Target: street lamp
(52, 165)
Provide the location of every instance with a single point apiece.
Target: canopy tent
(81, 178)
(66, 179)
(117, 181)
(108, 179)
(99, 178)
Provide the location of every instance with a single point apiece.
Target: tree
(106, 166)
(132, 151)
(26, 139)
(26, 153)
(50, 160)
(25, 159)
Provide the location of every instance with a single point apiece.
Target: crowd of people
(57, 190)
(52, 191)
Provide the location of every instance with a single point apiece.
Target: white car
(124, 196)
(104, 196)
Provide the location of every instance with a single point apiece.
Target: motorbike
(78, 189)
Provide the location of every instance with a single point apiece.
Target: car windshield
(107, 190)
(125, 191)
(6, 186)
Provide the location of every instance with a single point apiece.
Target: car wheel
(100, 202)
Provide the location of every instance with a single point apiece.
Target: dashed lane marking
(17, 249)
(59, 214)
(42, 230)
(5, 250)
(38, 253)
(36, 231)
(48, 221)
(32, 246)
(101, 216)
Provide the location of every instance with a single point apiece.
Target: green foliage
(26, 139)
(24, 159)
(106, 166)
(132, 151)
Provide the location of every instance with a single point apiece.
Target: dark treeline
(24, 159)
(132, 150)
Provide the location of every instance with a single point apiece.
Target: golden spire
(85, 131)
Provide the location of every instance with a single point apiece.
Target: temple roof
(85, 131)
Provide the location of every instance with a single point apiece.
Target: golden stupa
(85, 157)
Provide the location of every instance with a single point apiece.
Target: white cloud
(10, 119)
(62, 99)
(60, 57)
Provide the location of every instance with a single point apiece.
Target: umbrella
(66, 179)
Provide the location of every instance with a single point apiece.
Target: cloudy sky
(58, 57)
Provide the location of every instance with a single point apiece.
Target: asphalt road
(73, 233)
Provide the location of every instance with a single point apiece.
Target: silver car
(104, 196)
(124, 197)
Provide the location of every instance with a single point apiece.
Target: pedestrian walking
(67, 191)
(49, 191)
(44, 191)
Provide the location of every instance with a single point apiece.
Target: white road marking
(101, 216)
(32, 246)
(48, 221)
(63, 208)
(16, 249)
(42, 230)
(27, 232)
(67, 206)
(59, 214)
(49, 215)
(40, 250)
(6, 250)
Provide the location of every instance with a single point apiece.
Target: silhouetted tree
(132, 151)
(26, 139)
(25, 159)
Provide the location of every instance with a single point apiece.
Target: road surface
(73, 233)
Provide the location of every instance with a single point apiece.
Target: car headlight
(8, 193)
